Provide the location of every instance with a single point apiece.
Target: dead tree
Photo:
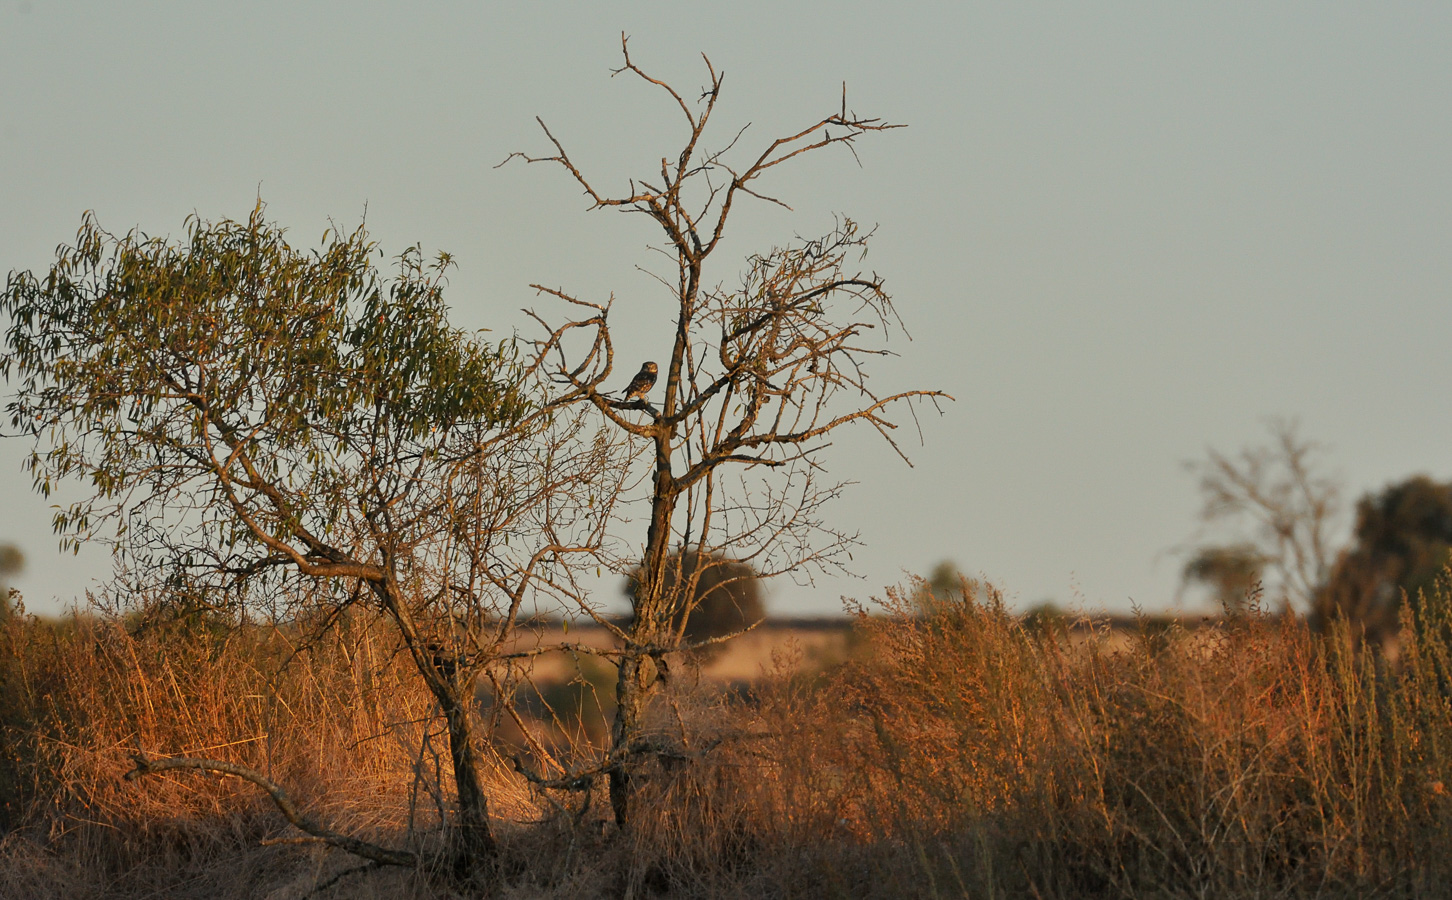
(1292, 506)
(757, 377)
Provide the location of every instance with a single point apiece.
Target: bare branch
(284, 803)
(754, 380)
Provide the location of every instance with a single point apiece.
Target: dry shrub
(972, 753)
(961, 752)
(343, 726)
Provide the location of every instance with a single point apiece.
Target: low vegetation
(336, 515)
(960, 751)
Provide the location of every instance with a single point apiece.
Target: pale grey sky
(1118, 233)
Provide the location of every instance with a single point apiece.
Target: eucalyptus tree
(763, 366)
(290, 430)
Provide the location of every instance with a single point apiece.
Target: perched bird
(641, 384)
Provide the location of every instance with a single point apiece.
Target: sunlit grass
(959, 752)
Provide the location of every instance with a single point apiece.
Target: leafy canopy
(230, 381)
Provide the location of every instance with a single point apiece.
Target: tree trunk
(631, 690)
(629, 701)
(474, 841)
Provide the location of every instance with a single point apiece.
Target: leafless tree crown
(1292, 506)
(757, 376)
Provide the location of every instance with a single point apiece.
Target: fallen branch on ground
(355, 846)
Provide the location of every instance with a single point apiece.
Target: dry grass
(342, 725)
(1251, 759)
(960, 753)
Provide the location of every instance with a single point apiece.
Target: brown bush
(960, 753)
(345, 727)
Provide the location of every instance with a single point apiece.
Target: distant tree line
(11, 562)
(1401, 540)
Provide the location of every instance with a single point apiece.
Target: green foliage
(286, 432)
(227, 395)
(1402, 542)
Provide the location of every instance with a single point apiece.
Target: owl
(641, 384)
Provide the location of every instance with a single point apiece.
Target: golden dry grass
(958, 753)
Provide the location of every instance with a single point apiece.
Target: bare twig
(755, 379)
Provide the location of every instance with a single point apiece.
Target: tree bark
(629, 704)
(474, 838)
